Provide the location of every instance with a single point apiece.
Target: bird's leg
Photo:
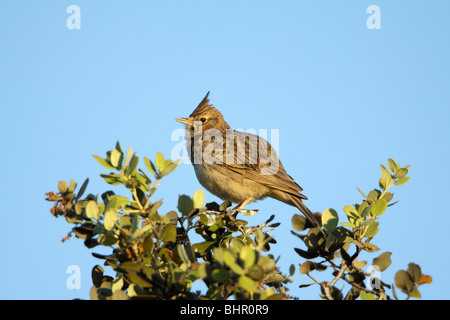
(240, 206)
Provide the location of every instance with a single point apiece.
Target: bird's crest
(203, 107)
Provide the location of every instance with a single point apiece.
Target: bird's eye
(203, 120)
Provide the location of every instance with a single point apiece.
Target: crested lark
(237, 166)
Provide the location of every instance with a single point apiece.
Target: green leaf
(198, 199)
(366, 210)
(247, 284)
(359, 264)
(118, 147)
(92, 211)
(84, 231)
(307, 267)
(248, 256)
(349, 225)
(172, 217)
(403, 281)
(225, 205)
(230, 261)
(134, 161)
(115, 201)
(183, 254)
(351, 212)
(72, 186)
(362, 207)
(112, 178)
(369, 247)
(97, 275)
(169, 168)
(237, 244)
(185, 204)
(220, 275)
(202, 246)
(291, 270)
(107, 239)
(219, 254)
(134, 223)
(63, 187)
(306, 285)
(110, 218)
(168, 233)
(138, 278)
(330, 220)
(315, 239)
(148, 245)
(117, 283)
(401, 173)
(366, 295)
(307, 254)
(142, 233)
(379, 207)
(103, 162)
(392, 165)
(371, 230)
(204, 270)
(213, 221)
(383, 261)
(115, 158)
(298, 222)
(388, 196)
(128, 156)
(342, 234)
(361, 193)
(416, 294)
(160, 162)
(154, 208)
(132, 183)
(386, 178)
(82, 189)
(373, 195)
(248, 213)
(257, 273)
(401, 181)
(414, 271)
(267, 263)
(150, 166)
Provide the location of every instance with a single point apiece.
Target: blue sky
(343, 97)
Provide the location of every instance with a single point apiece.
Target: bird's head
(205, 115)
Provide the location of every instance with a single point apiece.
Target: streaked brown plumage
(237, 166)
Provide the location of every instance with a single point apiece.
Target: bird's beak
(186, 121)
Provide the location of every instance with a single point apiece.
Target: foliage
(154, 256)
(152, 253)
(333, 242)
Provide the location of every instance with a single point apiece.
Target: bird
(237, 166)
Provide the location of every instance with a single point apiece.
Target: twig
(324, 286)
(338, 276)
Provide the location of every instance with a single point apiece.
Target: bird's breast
(227, 184)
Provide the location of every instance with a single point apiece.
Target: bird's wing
(254, 158)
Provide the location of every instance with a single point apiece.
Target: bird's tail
(304, 209)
